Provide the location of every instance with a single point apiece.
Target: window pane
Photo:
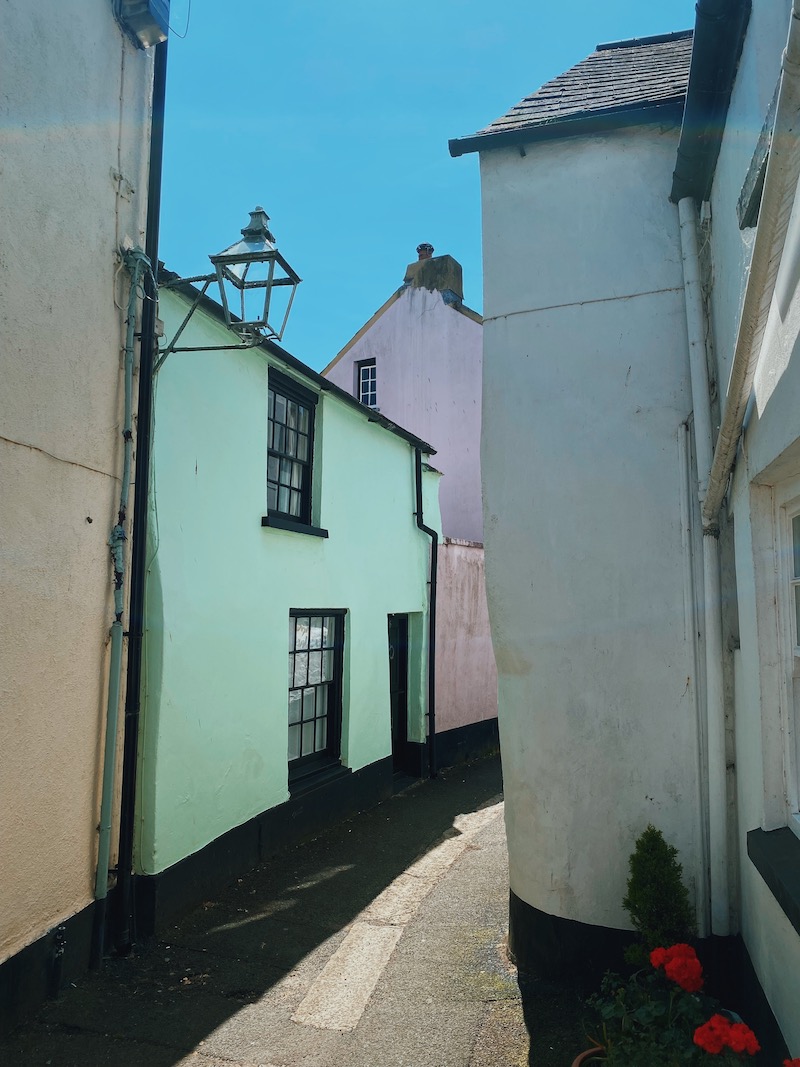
(314, 667)
(286, 472)
(796, 544)
(303, 421)
(294, 504)
(322, 734)
(291, 442)
(295, 702)
(297, 476)
(797, 615)
(308, 703)
(328, 631)
(301, 668)
(294, 742)
(302, 632)
(292, 414)
(273, 466)
(280, 408)
(283, 499)
(315, 640)
(327, 665)
(270, 433)
(272, 497)
(308, 737)
(279, 438)
(270, 404)
(302, 447)
(322, 700)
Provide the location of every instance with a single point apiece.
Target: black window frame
(315, 763)
(364, 364)
(279, 385)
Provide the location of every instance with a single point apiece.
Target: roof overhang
(189, 292)
(718, 39)
(660, 113)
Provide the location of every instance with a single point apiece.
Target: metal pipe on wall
(712, 607)
(431, 614)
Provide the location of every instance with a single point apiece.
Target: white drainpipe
(776, 202)
(715, 704)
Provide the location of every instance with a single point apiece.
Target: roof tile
(637, 73)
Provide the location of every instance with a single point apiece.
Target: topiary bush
(657, 900)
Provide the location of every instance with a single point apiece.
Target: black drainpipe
(431, 618)
(125, 924)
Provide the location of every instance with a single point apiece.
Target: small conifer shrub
(657, 900)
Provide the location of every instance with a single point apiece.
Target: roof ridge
(658, 38)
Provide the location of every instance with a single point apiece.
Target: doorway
(398, 693)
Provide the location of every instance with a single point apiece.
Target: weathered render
(221, 586)
(425, 346)
(643, 551)
(76, 120)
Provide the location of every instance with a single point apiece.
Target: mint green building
(285, 675)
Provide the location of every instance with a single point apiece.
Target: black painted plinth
(162, 898)
(468, 742)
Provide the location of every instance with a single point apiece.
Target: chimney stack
(436, 273)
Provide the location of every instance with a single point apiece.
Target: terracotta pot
(586, 1056)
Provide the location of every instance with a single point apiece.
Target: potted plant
(661, 1016)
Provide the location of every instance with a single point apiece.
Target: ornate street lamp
(248, 275)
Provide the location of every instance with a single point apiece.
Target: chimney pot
(425, 250)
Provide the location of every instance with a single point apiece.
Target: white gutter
(715, 701)
(776, 203)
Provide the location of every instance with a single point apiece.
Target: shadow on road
(157, 1005)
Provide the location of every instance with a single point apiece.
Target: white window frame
(372, 382)
(787, 507)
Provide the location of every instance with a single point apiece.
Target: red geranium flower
(719, 1033)
(792, 1063)
(681, 965)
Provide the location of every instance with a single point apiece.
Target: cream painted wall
(585, 389)
(75, 113)
(220, 588)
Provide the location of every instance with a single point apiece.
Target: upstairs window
(290, 448)
(367, 383)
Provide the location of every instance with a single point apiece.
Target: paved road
(378, 944)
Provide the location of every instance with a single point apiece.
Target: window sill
(316, 778)
(775, 854)
(278, 522)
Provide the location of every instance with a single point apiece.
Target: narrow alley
(380, 942)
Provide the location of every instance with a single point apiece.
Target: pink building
(418, 361)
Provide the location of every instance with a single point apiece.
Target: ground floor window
(316, 645)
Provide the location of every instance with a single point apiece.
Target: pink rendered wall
(429, 357)
(466, 676)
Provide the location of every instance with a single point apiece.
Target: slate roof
(620, 76)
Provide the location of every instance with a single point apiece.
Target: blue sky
(336, 117)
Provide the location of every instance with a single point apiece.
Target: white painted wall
(756, 79)
(585, 388)
(768, 467)
(75, 111)
(428, 357)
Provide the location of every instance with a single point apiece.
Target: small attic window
(367, 383)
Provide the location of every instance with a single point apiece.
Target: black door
(398, 690)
